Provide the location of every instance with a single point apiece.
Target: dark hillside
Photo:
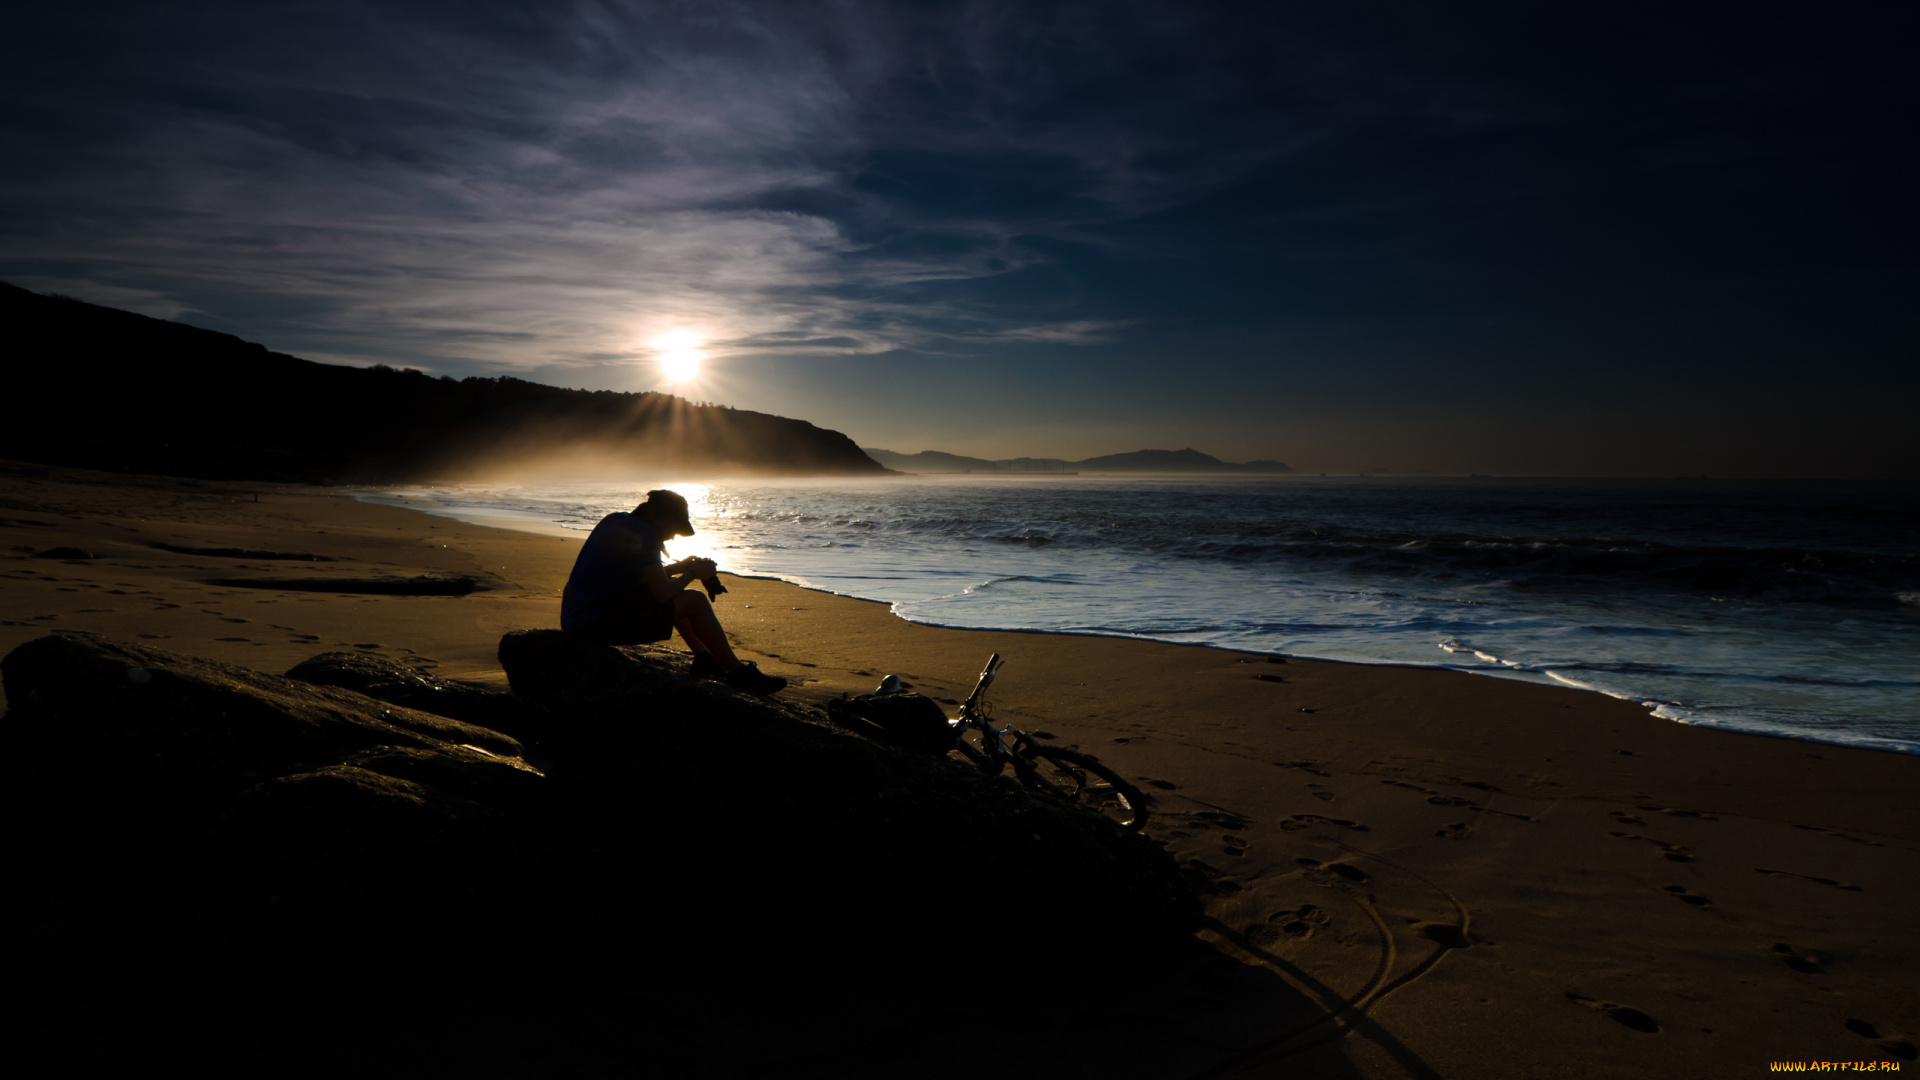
(100, 388)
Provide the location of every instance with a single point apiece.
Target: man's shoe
(704, 666)
(750, 677)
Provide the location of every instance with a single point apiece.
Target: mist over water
(1761, 606)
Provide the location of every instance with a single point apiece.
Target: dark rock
(347, 856)
(196, 730)
(398, 684)
(66, 553)
(866, 826)
(505, 784)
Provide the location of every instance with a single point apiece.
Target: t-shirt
(609, 564)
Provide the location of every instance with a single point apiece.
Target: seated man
(619, 594)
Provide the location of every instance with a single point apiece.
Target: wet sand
(1410, 871)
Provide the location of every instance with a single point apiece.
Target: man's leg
(697, 623)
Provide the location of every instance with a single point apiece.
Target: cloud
(518, 189)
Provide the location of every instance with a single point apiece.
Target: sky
(1518, 238)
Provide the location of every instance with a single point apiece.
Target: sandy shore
(1476, 877)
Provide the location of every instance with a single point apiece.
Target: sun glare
(678, 354)
(681, 366)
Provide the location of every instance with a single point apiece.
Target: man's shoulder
(623, 521)
(627, 528)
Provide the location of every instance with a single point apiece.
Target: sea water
(1772, 607)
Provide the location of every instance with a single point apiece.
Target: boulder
(345, 856)
(196, 731)
(854, 824)
(151, 809)
(416, 688)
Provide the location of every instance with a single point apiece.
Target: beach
(1465, 876)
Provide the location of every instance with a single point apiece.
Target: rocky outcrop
(206, 727)
(175, 803)
(230, 839)
(417, 688)
(859, 820)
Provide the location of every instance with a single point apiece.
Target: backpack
(914, 721)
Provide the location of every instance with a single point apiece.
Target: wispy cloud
(483, 193)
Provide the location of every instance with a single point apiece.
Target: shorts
(636, 618)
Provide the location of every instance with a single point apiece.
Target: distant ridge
(100, 388)
(1188, 460)
(1184, 461)
(930, 461)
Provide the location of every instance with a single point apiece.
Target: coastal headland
(1403, 872)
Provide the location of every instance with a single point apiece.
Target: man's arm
(664, 588)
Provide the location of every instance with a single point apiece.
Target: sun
(679, 356)
(681, 365)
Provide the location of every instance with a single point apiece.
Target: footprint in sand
(1805, 961)
(232, 639)
(1624, 818)
(1670, 852)
(1309, 766)
(1211, 879)
(1412, 787)
(1260, 935)
(1302, 921)
(1848, 886)
(1899, 1047)
(1234, 846)
(1620, 1014)
(1304, 821)
(1450, 800)
(1445, 935)
(1681, 894)
(1319, 872)
(1677, 812)
(1841, 835)
(1453, 830)
(1270, 678)
(1163, 785)
(1225, 821)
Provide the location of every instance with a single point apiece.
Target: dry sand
(1454, 875)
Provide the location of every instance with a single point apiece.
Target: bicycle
(1064, 774)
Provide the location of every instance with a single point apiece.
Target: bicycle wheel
(1081, 779)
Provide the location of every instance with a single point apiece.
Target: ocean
(1773, 607)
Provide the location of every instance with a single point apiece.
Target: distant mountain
(935, 461)
(1188, 460)
(930, 461)
(101, 388)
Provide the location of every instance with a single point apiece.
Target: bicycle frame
(993, 752)
(1008, 745)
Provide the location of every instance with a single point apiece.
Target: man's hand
(697, 567)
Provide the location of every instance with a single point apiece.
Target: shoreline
(541, 525)
(1535, 866)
